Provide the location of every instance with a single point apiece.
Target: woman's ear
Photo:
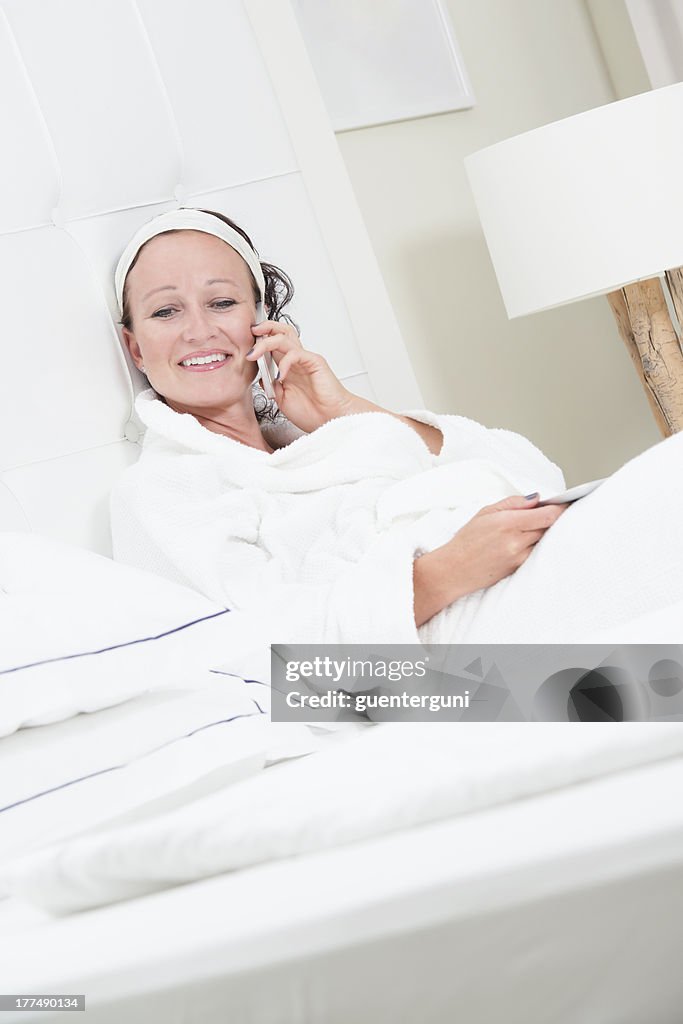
(133, 347)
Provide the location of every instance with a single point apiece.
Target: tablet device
(573, 494)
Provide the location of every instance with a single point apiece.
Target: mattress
(560, 907)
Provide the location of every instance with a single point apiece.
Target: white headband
(192, 220)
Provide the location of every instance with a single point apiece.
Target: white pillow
(152, 753)
(80, 632)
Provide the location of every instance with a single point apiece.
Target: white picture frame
(380, 61)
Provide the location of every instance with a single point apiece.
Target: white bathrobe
(319, 536)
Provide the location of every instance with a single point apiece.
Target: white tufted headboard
(112, 111)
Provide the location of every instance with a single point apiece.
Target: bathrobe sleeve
(465, 439)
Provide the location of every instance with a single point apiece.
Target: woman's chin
(204, 394)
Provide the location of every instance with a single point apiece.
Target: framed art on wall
(383, 61)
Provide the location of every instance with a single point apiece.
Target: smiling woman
(194, 299)
(193, 335)
(336, 520)
(189, 301)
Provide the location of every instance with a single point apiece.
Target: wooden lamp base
(653, 343)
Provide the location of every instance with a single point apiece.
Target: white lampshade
(586, 205)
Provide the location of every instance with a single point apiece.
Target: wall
(562, 378)
(620, 48)
(658, 24)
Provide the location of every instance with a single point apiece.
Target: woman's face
(191, 295)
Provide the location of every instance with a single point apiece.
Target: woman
(336, 520)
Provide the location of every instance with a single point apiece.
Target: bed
(531, 905)
(562, 907)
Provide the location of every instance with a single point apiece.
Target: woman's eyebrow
(163, 288)
(173, 288)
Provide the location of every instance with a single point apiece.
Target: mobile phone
(266, 363)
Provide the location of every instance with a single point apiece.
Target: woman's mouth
(204, 363)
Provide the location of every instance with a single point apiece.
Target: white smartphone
(573, 494)
(266, 363)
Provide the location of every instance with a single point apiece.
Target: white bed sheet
(392, 777)
(563, 907)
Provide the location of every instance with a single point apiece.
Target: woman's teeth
(217, 357)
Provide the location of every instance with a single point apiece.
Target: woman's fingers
(541, 518)
(514, 501)
(274, 334)
(311, 361)
(276, 344)
(512, 517)
(267, 326)
(532, 537)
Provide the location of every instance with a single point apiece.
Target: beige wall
(619, 46)
(563, 377)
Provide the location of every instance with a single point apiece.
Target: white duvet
(391, 777)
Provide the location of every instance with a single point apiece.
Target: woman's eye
(167, 311)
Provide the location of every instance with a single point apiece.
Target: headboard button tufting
(132, 432)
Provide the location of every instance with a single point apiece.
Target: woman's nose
(197, 324)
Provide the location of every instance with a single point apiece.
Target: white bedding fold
(390, 778)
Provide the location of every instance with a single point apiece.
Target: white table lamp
(593, 205)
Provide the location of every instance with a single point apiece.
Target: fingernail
(530, 497)
(251, 350)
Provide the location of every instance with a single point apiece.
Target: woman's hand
(491, 546)
(306, 391)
